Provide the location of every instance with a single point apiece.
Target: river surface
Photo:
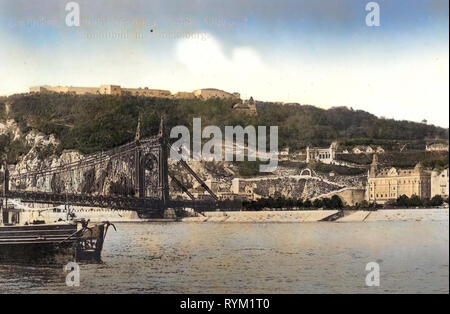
(255, 258)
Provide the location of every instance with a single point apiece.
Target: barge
(58, 242)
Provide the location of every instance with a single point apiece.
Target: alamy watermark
(232, 147)
(373, 17)
(73, 17)
(373, 275)
(73, 276)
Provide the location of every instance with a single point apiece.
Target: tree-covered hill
(2, 109)
(92, 123)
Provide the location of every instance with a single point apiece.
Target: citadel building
(204, 94)
(103, 90)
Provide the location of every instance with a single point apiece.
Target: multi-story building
(324, 155)
(390, 183)
(439, 183)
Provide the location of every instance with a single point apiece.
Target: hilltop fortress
(243, 106)
(206, 93)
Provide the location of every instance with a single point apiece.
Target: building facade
(324, 155)
(439, 183)
(367, 150)
(103, 90)
(64, 89)
(390, 183)
(144, 92)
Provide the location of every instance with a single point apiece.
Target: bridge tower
(139, 167)
(163, 164)
(163, 175)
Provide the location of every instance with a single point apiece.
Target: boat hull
(38, 253)
(60, 243)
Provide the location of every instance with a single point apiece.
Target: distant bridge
(149, 180)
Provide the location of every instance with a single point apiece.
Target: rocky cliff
(117, 176)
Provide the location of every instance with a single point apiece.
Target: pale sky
(311, 52)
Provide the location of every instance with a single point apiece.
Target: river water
(255, 258)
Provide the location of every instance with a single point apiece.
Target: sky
(305, 51)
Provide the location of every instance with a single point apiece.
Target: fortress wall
(64, 89)
(147, 92)
(213, 93)
(83, 90)
(184, 95)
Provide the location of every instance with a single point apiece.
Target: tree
(317, 203)
(436, 200)
(364, 204)
(307, 204)
(415, 201)
(336, 202)
(403, 201)
(299, 203)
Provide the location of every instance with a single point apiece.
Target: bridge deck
(121, 202)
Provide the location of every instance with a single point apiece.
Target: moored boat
(39, 241)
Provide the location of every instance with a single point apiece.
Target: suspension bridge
(143, 166)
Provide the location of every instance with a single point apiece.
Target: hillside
(407, 159)
(92, 123)
(2, 109)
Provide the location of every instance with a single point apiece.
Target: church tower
(374, 166)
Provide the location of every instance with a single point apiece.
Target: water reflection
(254, 258)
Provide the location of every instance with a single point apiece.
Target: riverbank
(435, 214)
(431, 214)
(264, 216)
(91, 214)
(268, 216)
